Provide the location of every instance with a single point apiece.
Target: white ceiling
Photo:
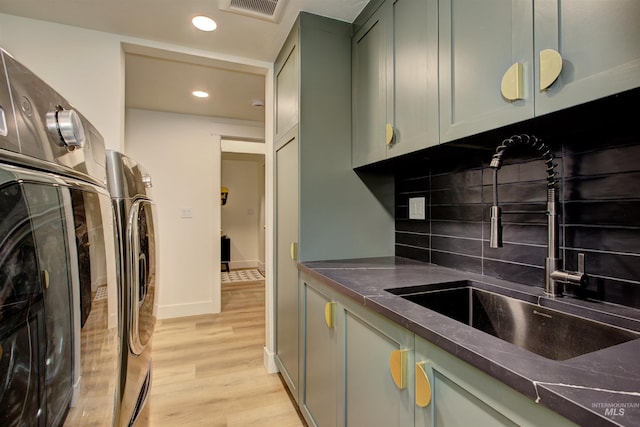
(163, 81)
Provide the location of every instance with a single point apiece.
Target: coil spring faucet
(555, 277)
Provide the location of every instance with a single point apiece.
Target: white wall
(86, 67)
(242, 218)
(182, 154)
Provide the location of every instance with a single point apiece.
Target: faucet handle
(572, 277)
(581, 263)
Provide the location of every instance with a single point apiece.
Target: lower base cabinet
(377, 355)
(361, 369)
(462, 395)
(319, 398)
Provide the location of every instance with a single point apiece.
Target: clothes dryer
(130, 187)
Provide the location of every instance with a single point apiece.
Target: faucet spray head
(495, 238)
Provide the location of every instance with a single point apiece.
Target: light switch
(186, 213)
(416, 208)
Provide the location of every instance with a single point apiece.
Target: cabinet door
(415, 89)
(479, 42)
(462, 395)
(286, 285)
(320, 373)
(371, 396)
(286, 86)
(370, 85)
(599, 42)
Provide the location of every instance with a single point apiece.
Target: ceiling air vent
(263, 9)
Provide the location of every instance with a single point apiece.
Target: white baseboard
(185, 310)
(236, 265)
(270, 361)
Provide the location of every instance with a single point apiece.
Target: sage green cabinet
(361, 369)
(319, 401)
(355, 363)
(599, 43)
(395, 84)
(377, 356)
(461, 395)
(286, 289)
(323, 210)
(505, 61)
(371, 83)
(479, 41)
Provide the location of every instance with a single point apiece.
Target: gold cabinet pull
(294, 251)
(328, 314)
(511, 86)
(550, 67)
(398, 366)
(45, 279)
(390, 133)
(423, 386)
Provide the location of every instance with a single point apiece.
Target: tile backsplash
(597, 148)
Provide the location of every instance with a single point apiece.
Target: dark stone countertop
(580, 388)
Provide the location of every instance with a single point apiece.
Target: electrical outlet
(416, 208)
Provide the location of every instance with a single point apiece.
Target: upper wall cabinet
(598, 43)
(395, 85)
(286, 88)
(479, 41)
(497, 67)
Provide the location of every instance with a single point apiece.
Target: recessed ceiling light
(200, 94)
(204, 23)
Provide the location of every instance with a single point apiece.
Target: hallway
(208, 370)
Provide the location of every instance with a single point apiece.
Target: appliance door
(58, 366)
(139, 243)
(142, 241)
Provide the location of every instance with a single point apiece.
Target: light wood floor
(208, 370)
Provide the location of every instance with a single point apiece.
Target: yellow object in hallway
(224, 192)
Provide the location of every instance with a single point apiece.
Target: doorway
(242, 175)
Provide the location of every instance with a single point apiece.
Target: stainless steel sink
(544, 331)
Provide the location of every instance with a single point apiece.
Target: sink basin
(549, 333)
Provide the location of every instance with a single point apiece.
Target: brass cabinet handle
(423, 386)
(294, 251)
(45, 279)
(550, 67)
(511, 86)
(328, 314)
(398, 366)
(390, 134)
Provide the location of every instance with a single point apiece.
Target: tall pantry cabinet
(323, 209)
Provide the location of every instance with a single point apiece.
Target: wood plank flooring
(208, 370)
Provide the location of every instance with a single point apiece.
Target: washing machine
(130, 187)
(59, 324)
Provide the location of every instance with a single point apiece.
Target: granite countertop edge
(605, 377)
